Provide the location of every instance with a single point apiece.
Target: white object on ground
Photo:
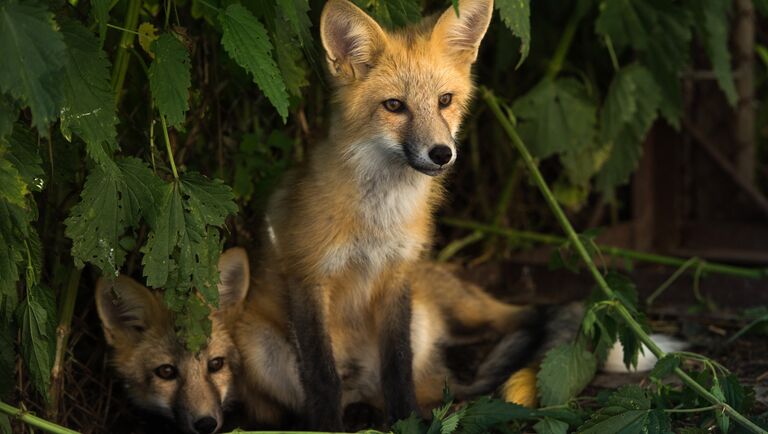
(645, 360)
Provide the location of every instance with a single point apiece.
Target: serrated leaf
(14, 189)
(101, 15)
(32, 52)
(628, 410)
(289, 59)
(665, 366)
(481, 415)
(711, 19)
(565, 371)
(392, 13)
(170, 78)
(660, 31)
(556, 116)
(23, 154)
(295, 12)
(246, 41)
(516, 15)
(14, 231)
(111, 202)
(630, 109)
(147, 36)
(37, 323)
(551, 426)
(411, 425)
(88, 107)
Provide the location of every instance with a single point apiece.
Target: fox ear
(350, 37)
(126, 307)
(463, 33)
(235, 277)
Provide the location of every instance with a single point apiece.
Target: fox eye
(445, 100)
(166, 372)
(394, 105)
(215, 365)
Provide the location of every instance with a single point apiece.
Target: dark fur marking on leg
(397, 360)
(317, 368)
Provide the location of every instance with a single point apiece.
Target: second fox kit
(344, 229)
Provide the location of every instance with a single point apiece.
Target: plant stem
(168, 147)
(556, 64)
(62, 338)
(691, 410)
(126, 40)
(751, 273)
(34, 421)
(629, 320)
(667, 283)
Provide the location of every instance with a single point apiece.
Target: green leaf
(660, 31)
(111, 202)
(88, 109)
(565, 371)
(481, 415)
(246, 41)
(14, 189)
(37, 323)
(289, 59)
(182, 252)
(516, 15)
(392, 13)
(551, 426)
(762, 7)
(411, 425)
(630, 109)
(24, 156)
(628, 410)
(711, 18)
(32, 52)
(556, 116)
(170, 78)
(101, 15)
(665, 366)
(295, 13)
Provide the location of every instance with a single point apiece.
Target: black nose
(440, 154)
(205, 425)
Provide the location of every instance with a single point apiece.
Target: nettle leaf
(665, 366)
(183, 248)
(32, 52)
(37, 322)
(628, 410)
(88, 108)
(147, 36)
(565, 371)
(295, 13)
(711, 19)
(246, 41)
(14, 188)
(111, 202)
(556, 116)
(516, 15)
(14, 230)
(170, 78)
(551, 426)
(289, 59)
(23, 154)
(630, 109)
(411, 425)
(101, 15)
(660, 31)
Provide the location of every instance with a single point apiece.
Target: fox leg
(397, 357)
(317, 369)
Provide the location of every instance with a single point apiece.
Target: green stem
(629, 320)
(612, 53)
(123, 56)
(692, 410)
(34, 421)
(168, 147)
(751, 273)
(62, 335)
(667, 283)
(556, 64)
(122, 29)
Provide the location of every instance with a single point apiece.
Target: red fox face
(402, 95)
(160, 374)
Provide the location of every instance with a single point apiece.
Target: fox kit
(445, 311)
(159, 373)
(344, 229)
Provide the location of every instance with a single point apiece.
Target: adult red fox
(345, 229)
(446, 311)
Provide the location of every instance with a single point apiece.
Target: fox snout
(432, 160)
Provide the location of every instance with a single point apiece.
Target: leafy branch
(574, 238)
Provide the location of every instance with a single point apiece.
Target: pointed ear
(463, 34)
(126, 308)
(351, 38)
(234, 276)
